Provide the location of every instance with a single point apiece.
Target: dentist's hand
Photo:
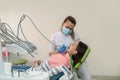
(62, 49)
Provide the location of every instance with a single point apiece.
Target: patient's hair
(81, 48)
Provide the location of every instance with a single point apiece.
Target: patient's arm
(51, 53)
(36, 63)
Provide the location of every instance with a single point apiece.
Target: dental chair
(83, 51)
(80, 57)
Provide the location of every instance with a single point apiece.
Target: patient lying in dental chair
(57, 63)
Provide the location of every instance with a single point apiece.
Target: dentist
(66, 36)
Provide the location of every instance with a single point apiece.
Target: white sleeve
(52, 47)
(77, 38)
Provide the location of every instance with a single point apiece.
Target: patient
(57, 62)
(63, 57)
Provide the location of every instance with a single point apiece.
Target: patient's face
(72, 49)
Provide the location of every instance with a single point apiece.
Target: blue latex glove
(62, 49)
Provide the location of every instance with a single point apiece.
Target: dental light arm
(13, 44)
(10, 38)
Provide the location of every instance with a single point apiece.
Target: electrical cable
(23, 17)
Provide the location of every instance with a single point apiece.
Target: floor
(106, 77)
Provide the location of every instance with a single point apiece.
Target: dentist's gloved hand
(62, 49)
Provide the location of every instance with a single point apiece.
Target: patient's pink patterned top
(59, 59)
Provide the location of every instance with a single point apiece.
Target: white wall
(98, 24)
